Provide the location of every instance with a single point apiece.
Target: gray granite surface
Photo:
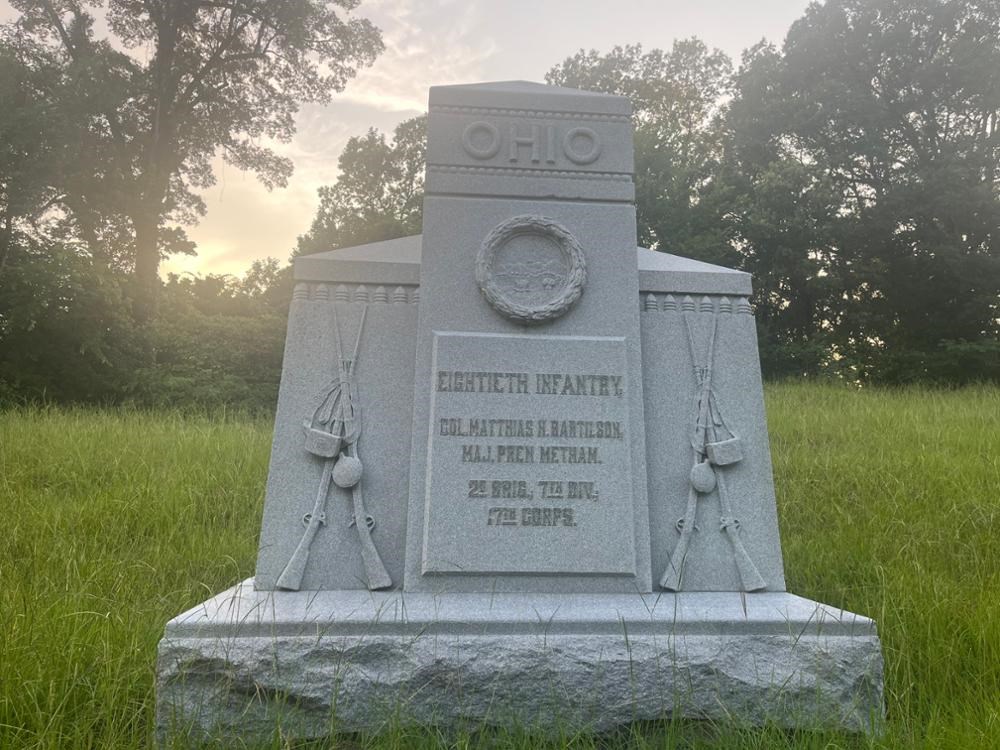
(555, 431)
(248, 661)
(528, 140)
(382, 368)
(398, 262)
(671, 392)
(456, 227)
(534, 504)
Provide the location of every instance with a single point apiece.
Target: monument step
(246, 662)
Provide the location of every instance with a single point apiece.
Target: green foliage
(855, 172)
(677, 97)
(887, 506)
(887, 113)
(219, 341)
(378, 195)
(214, 79)
(29, 140)
(120, 520)
(65, 330)
(66, 335)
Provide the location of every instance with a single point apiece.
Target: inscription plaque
(529, 469)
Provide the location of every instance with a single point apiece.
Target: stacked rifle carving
(334, 430)
(715, 447)
(333, 433)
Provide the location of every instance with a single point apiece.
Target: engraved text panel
(529, 461)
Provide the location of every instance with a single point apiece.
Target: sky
(436, 42)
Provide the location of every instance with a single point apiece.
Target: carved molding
(533, 113)
(562, 174)
(659, 302)
(365, 293)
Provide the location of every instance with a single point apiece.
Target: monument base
(247, 662)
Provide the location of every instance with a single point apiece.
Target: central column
(528, 463)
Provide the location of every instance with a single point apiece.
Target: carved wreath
(562, 300)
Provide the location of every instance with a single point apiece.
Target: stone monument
(520, 472)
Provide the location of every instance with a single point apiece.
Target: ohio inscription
(529, 456)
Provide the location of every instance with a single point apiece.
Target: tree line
(106, 143)
(852, 170)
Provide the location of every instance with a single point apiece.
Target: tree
(678, 99)
(378, 194)
(65, 331)
(219, 77)
(888, 112)
(219, 340)
(28, 141)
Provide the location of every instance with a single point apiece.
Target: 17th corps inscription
(528, 460)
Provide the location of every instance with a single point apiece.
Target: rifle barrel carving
(338, 417)
(378, 576)
(710, 456)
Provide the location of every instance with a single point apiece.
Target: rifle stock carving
(333, 433)
(711, 453)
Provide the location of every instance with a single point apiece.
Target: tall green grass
(114, 522)
(889, 504)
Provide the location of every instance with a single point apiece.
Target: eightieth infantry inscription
(520, 469)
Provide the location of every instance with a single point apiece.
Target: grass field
(116, 521)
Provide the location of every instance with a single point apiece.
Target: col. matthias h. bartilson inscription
(568, 508)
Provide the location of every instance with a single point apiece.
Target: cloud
(426, 43)
(435, 42)
(244, 222)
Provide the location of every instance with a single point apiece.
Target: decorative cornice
(533, 113)
(536, 173)
(710, 304)
(364, 293)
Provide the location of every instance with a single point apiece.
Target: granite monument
(520, 472)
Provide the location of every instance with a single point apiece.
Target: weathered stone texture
(248, 686)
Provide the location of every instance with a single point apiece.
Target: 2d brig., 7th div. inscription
(528, 452)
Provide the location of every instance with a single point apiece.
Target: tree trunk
(155, 180)
(87, 222)
(147, 265)
(6, 242)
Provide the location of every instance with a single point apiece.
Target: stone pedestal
(246, 661)
(520, 472)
